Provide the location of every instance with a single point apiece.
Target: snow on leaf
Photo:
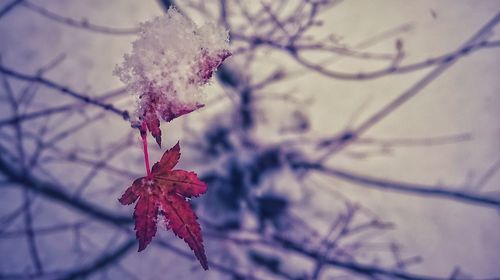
(171, 60)
(164, 193)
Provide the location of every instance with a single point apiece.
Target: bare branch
(57, 193)
(410, 93)
(414, 189)
(102, 262)
(9, 7)
(82, 24)
(64, 90)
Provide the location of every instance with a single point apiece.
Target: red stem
(144, 137)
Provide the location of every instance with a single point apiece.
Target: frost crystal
(170, 62)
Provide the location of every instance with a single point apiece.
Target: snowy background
(446, 136)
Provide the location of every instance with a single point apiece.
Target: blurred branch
(408, 94)
(410, 142)
(64, 90)
(46, 230)
(102, 262)
(55, 192)
(58, 109)
(415, 189)
(30, 234)
(445, 59)
(366, 270)
(9, 7)
(384, 35)
(82, 24)
(280, 243)
(213, 265)
(340, 224)
(495, 167)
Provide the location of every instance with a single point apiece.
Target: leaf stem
(144, 137)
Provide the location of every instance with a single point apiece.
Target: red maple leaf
(164, 193)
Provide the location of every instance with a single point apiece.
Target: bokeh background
(342, 140)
